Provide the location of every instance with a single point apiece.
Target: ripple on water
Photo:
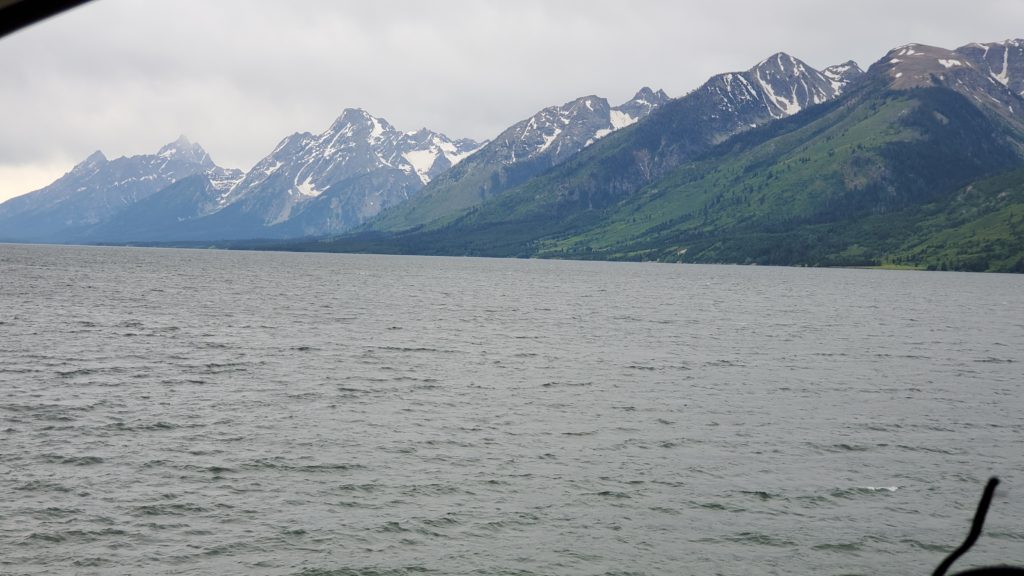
(210, 412)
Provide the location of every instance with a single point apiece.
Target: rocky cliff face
(1004, 61)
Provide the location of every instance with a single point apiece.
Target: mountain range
(918, 162)
(97, 190)
(724, 106)
(309, 185)
(521, 152)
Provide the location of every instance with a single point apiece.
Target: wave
(719, 507)
(930, 449)
(994, 360)
(73, 373)
(611, 494)
(71, 460)
(368, 571)
(159, 425)
(840, 447)
(761, 494)
(554, 384)
(359, 487)
(413, 349)
(168, 509)
(862, 491)
(325, 467)
(938, 548)
(760, 539)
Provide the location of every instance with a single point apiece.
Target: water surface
(209, 412)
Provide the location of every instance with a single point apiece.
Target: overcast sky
(127, 76)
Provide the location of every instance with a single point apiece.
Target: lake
(216, 412)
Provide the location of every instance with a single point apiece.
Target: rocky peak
(97, 157)
(353, 116)
(96, 189)
(649, 96)
(841, 75)
(557, 132)
(304, 166)
(783, 66)
(92, 162)
(182, 143)
(421, 137)
(184, 150)
(965, 71)
(919, 65)
(642, 103)
(429, 153)
(789, 85)
(1004, 61)
(585, 106)
(356, 122)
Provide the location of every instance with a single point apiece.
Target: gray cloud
(126, 76)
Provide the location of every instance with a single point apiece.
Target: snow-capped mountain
(776, 87)
(309, 185)
(558, 132)
(725, 105)
(528, 147)
(363, 170)
(304, 166)
(98, 188)
(967, 70)
(642, 104)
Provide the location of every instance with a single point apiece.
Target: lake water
(212, 412)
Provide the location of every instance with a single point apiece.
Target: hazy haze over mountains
(97, 189)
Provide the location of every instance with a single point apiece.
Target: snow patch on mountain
(1003, 76)
(307, 188)
(421, 161)
(620, 119)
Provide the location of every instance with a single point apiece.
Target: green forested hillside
(849, 187)
(980, 228)
(917, 178)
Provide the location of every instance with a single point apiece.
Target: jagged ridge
(546, 139)
(97, 189)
